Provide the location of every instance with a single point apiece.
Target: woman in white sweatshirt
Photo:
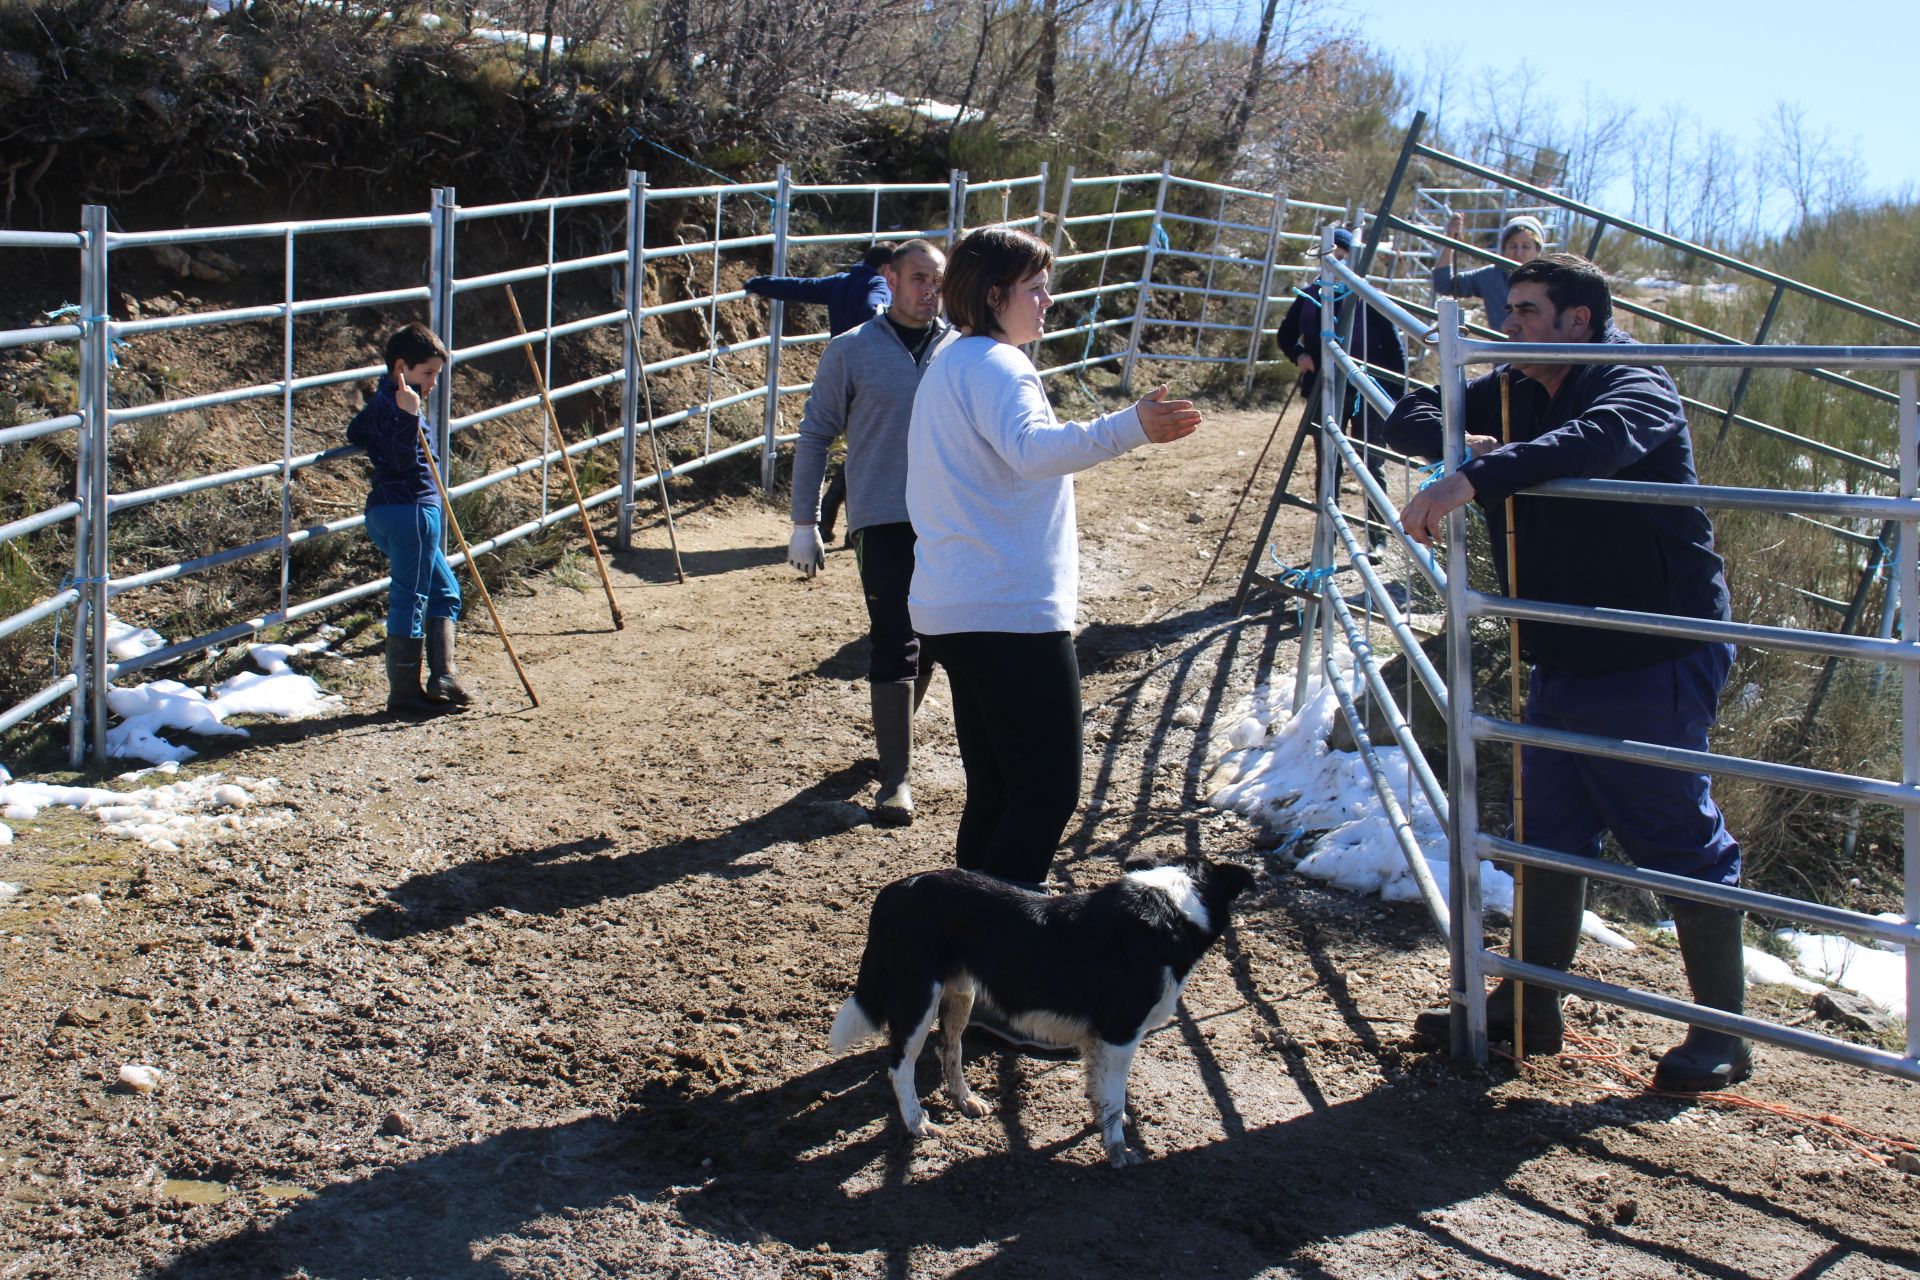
(996, 557)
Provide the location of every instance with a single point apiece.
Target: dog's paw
(928, 1129)
(974, 1106)
(1120, 1155)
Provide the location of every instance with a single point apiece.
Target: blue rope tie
(1433, 475)
(1298, 578)
(637, 136)
(71, 310)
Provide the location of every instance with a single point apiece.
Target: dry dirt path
(545, 993)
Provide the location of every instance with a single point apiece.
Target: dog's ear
(1227, 880)
(1139, 862)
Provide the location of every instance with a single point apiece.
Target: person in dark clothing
(1612, 422)
(851, 297)
(1375, 340)
(404, 521)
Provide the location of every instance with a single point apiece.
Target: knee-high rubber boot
(403, 676)
(920, 683)
(893, 736)
(1553, 905)
(1716, 960)
(443, 684)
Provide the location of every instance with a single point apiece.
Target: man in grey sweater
(864, 389)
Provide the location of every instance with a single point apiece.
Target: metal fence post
(1060, 222)
(1312, 615)
(635, 289)
(1275, 226)
(776, 318)
(956, 192)
(1468, 987)
(1146, 282)
(440, 306)
(91, 567)
(1909, 581)
(1040, 202)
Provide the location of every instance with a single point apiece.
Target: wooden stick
(1248, 487)
(1518, 946)
(573, 480)
(653, 445)
(473, 570)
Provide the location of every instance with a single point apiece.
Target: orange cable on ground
(1605, 1053)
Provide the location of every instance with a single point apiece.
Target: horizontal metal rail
(267, 230)
(34, 336)
(1873, 790)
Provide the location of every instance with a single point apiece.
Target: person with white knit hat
(1522, 240)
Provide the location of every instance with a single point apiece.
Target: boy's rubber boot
(1716, 960)
(893, 736)
(443, 684)
(403, 676)
(1553, 907)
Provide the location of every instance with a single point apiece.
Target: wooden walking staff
(566, 460)
(473, 569)
(653, 445)
(1518, 946)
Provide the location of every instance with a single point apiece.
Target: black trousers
(885, 555)
(1016, 712)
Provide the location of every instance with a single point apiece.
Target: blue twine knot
(1433, 475)
(71, 310)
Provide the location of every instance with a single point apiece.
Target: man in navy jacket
(1599, 421)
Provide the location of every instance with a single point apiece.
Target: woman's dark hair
(879, 254)
(1571, 281)
(985, 260)
(415, 344)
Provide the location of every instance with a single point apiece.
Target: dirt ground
(546, 992)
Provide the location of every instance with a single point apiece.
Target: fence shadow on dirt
(804, 1163)
(565, 877)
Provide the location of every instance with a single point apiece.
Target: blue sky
(1853, 68)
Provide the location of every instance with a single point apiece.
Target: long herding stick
(573, 480)
(1247, 488)
(473, 569)
(1519, 945)
(653, 444)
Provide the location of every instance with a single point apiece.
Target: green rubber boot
(893, 738)
(403, 676)
(1716, 960)
(1554, 904)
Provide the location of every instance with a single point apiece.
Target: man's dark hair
(879, 255)
(988, 259)
(414, 344)
(1571, 281)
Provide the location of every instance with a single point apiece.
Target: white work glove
(805, 551)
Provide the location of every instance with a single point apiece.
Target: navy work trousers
(1665, 819)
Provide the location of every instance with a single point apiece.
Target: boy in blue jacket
(404, 521)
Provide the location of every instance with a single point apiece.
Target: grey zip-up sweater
(864, 390)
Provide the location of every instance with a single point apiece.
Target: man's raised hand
(1165, 420)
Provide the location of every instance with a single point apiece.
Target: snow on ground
(276, 690)
(173, 815)
(1276, 767)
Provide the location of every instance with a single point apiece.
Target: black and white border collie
(1093, 970)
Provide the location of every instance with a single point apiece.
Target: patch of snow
(884, 100)
(277, 690)
(1880, 976)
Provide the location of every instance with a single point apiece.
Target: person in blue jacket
(1523, 239)
(404, 521)
(1599, 421)
(851, 297)
(1375, 340)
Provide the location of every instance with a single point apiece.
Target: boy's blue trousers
(423, 584)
